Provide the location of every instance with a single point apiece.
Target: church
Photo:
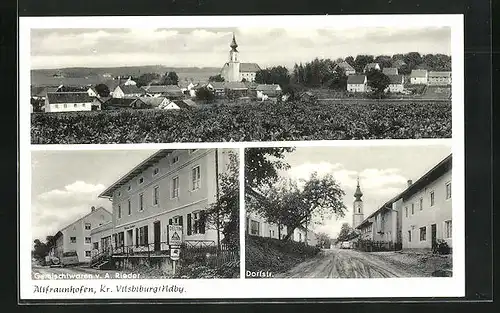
(234, 71)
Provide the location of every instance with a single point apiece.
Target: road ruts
(337, 263)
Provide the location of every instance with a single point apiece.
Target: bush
(442, 247)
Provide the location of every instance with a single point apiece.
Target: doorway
(157, 235)
(433, 236)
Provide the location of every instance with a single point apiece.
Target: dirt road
(338, 263)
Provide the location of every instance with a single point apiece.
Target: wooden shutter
(146, 235)
(201, 223)
(188, 218)
(137, 237)
(169, 221)
(181, 222)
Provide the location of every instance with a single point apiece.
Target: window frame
(89, 253)
(448, 188)
(89, 240)
(71, 239)
(423, 230)
(175, 189)
(157, 170)
(409, 235)
(447, 235)
(432, 199)
(141, 202)
(254, 222)
(140, 180)
(119, 211)
(175, 159)
(156, 195)
(129, 207)
(85, 226)
(195, 182)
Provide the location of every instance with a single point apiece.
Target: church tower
(357, 214)
(234, 62)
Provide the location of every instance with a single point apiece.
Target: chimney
(409, 182)
(92, 209)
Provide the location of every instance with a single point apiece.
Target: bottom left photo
(135, 214)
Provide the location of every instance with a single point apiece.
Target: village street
(340, 263)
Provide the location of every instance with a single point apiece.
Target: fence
(206, 252)
(376, 246)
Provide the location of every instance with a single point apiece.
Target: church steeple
(233, 44)
(358, 194)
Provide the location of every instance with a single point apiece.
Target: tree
(170, 78)
(224, 213)
(293, 203)
(146, 79)
(412, 59)
(378, 81)
(345, 232)
(205, 94)
(349, 60)
(40, 249)
(338, 80)
(384, 61)
(324, 239)
(262, 166)
(102, 90)
(216, 78)
(361, 61)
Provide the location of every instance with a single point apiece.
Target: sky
(383, 172)
(66, 184)
(209, 47)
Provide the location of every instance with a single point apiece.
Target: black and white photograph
(242, 84)
(349, 212)
(135, 214)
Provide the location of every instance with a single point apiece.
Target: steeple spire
(358, 194)
(233, 44)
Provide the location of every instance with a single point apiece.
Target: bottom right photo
(349, 212)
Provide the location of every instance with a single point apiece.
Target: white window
(423, 233)
(175, 159)
(84, 104)
(72, 239)
(156, 194)
(88, 226)
(447, 229)
(143, 236)
(406, 211)
(95, 246)
(87, 253)
(141, 202)
(141, 180)
(65, 105)
(156, 171)
(421, 204)
(119, 211)
(75, 105)
(254, 228)
(176, 220)
(448, 190)
(88, 240)
(56, 106)
(412, 208)
(196, 177)
(175, 187)
(432, 198)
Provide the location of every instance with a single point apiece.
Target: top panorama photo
(104, 86)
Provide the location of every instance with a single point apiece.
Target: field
(249, 122)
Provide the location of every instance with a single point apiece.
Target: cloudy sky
(208, 47)
(383, 172)
(65, 184)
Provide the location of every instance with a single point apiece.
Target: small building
(40, 92)
(269, 90)
(68, 102)
(236, 89)
(92, 92)
(258, 226)
(124, 103)
(128, 91)
(371, 66)
(185, 104)
(348, 69)
(427, 215)
(390, 71)
(419, 77)
(396, 84)
(218, 88)
(155, 102)
(173, 92)
(155, 90)
(357, 83)
(439, 78)
(398, 64)
(77, 235)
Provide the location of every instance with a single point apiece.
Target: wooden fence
(376, 246)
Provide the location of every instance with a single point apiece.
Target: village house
(235, 89)
(218, 88)
(419, 77)
(439, 78)
(185, 104)
(348, 69)
(123, 103)
(396, 84)
(128, 91)
(77, 235)
(189, 87)
(390, 71)
(68, 102)
(398, 64)
(267, 91)
(92, 92)
(427, 203)
(155, 90)
(155, 102)
(234, 71)
(171, 187)
(357, 83)
(371, 66)
(40, 92)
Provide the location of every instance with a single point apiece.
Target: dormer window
(175, 159)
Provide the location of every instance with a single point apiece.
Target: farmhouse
(234, 71)
(180, 104)
(155, 91)
(77, 235)
(390, 71)
(92, 92)
(371, 66)
(155, 102)
(128, 91)
(123, 103)
(418, 77)
(170, 187)
(348, 69)
(236, 89)
(40, 92)
(357, 83)
(218, 88)
(427, 215)
(439, 78)
(396, 84)
(267, 90)
(68, 102)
